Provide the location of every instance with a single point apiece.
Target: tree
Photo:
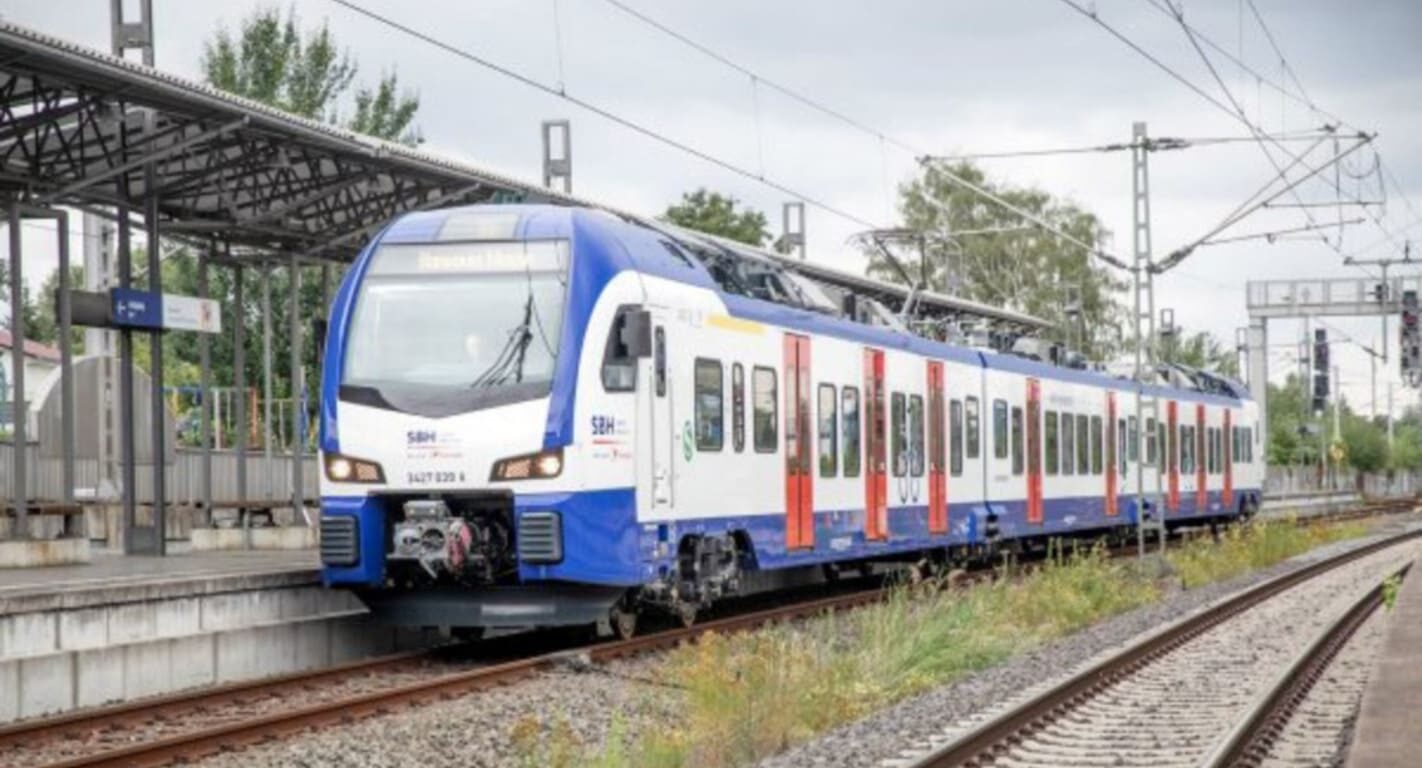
(305, 73)
(716, 214)
(1011, 264)
(45, 326)
(29, 309)
(1203, 351)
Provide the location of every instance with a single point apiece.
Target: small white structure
(40, 361)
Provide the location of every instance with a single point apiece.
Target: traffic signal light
(1320, 351)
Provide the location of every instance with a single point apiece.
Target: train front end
(452, 480)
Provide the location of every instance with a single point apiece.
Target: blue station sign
(132, 308)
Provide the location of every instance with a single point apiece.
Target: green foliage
(1248, 547)
(1203, 351)
(306, 73)
(716, 214)
(1026, 269)
(29, 308)
(1390, 588)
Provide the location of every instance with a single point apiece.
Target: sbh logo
(420, 437)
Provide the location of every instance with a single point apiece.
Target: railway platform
(1386, 734)
(122, 627)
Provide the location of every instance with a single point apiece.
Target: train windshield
(444, 327)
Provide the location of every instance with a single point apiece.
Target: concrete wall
(62, 651)
(1292, 480)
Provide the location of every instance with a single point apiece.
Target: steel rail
(1248, 742)
(982, 742)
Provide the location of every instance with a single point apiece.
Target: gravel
(508, 726)
(882, 737)
(552, 717)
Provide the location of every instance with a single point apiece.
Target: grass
(1245, 548)
(746, 696)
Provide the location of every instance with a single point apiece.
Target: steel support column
(267, 378)
(1258, 341)
(133, 542)
(205, 387)
(17, 370)
(239, 364)
(298, 397)
(155, 355)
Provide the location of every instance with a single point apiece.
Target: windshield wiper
(511, 357)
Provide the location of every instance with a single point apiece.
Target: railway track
(188, 726)
(1198, 691)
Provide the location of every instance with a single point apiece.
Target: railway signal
(1411, 338)
(1320, 370)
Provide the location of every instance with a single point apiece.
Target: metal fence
(268, 479)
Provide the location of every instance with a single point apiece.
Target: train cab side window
(1018, 446)
(659, 360)
(1052, 442)
(710, 405)
(915, 412)
(1068, 444)
(1083, 444)
(898, 433)
(829, 431)
(738, 407)
(1095, 445)
(974, 437)
(999, 429)
(849, 401)
(955, 437)
(763, 405)
(619, 364)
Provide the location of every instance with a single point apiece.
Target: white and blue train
(538, 415)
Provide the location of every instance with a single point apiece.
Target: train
(540, 415)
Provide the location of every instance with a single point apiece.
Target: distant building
(40, 360)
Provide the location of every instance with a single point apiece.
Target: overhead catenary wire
(1163, 143)
(602, 112)
(1277, 234)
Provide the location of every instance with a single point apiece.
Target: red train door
(1201, 488)
(937, 482)
(799, 493)
(1172, 459)
(1034, 451)
(1227, 445)
(1110, 438)
(876, 481)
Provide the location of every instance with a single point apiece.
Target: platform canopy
(79, 128)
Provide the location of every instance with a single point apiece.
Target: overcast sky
(941, 77)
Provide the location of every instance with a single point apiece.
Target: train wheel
(685, 614)
(623, 621)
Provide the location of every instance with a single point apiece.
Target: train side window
(850, 406)
(738, 407)
(710, 405)
(999, 429)
(1187, 445)
(1068, 444)
(1052, 442)
(915, 412)
(1249, 444)
(955, 437)
(1121, 445)
(763, 405)
(975, 436)
(829, 431)
(1151, 441)
(1234, 444)
(1133, 440)
(898, 432)
(1083, 444)
(1095, 445)
(1018, 447)
(659, 360)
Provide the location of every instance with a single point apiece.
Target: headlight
(345, 469)
(532, 466)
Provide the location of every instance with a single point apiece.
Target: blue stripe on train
(603, 543)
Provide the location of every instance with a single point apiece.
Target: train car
(543, 415)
